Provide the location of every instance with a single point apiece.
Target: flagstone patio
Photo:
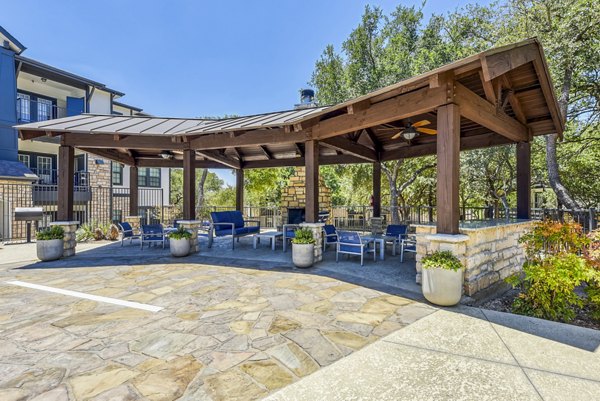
(224, 332)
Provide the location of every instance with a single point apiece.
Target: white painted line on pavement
(83, 295)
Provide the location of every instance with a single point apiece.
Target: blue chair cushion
(290, 234)
(236, 231)
(252, 229)
(410, 247)
(394, 230)
(351, 249)
(220, 217)
(237, 218)
(332, 238)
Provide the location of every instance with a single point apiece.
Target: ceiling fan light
(165, 154)
(409, 133)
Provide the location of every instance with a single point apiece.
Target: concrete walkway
(464, 354)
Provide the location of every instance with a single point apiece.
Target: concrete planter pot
(50, 249)
(303, 255)
(179, 247)
(442, 286)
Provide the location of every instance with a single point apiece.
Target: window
(117, 173)
(23, 107)
(44, 109)
(117, 216)
(24, 159)
(44, 169)
(149, 177)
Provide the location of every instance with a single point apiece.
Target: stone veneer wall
(294, 195)
(489, 254)
(100, 179)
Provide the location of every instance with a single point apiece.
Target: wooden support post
(311, 162)
(523, 180)
(239, 190)
(377, 189)
(66, 171)
(133, 191)
(448, 165)
(189, 184)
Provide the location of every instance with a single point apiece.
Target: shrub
(303, 236)
(592, 256)
(442, 260)
(548, 286)
(181, 233)
(84, 233)
(112, 233)
(54, 232)
(550, 237)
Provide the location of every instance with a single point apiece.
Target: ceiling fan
(412, 130)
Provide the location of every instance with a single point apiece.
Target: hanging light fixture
(409, 133)
(165, 154)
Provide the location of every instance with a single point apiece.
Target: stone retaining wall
(489, 254)
(70, 242)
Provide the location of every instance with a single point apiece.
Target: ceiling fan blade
(397, 135)
(421, 123)
(427, 131)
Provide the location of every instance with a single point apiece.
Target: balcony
(30, 111)
(50, 177)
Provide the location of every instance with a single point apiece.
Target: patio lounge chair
(230, 223)
(395, 233)
(127, 233)
(350, 243)
(153, 234)
(329, 235)
(289, 233)
(407, 245)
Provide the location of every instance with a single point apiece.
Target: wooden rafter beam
(403, 106)
(250, 138)
(299, 149)
(427, 149)
(266, 152)
(299, 161)
(370, 135)
(482, 112)
(112, 155)
(496, 64)
(176, 163)
(215, 156)
(349, 147)
(27, 135)
(107, 141)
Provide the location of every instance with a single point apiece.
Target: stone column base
(134, 221)
(317, 230)
(192, 226)
(69, 239)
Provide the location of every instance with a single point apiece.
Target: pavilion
(501, 96)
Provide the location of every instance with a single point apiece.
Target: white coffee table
(270, 235)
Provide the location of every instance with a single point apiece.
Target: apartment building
(31, 91)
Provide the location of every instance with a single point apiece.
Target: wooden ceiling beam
(107, 141)
(427, 149)
(214, 156)
(27, 135)
(397, 108)
(496, 64)
(349, 147)
(299, 149)
(113, 155)
(175, 163)
(266, 152)
(482, 112)
(299, 161)
(249, 138)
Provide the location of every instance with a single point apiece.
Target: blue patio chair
(231, 223)
(329, 235)
(127, 233)
(407, 245)
(350, 243)
(395, 233)
(289, 233)
(153, 234)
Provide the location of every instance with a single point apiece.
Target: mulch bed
(504, 302)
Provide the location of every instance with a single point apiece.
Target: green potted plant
(50, 243)
(179, 242)
(442, 280)
(303, 248)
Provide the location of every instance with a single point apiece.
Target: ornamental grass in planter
(179, 242)
(303, 248)
(442, 281)
(50, 243)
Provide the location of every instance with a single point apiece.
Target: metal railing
(30, 111)
(49, 176)
(91, 205)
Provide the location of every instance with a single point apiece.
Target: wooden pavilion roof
(505, 96)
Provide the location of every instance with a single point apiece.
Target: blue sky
(192, 58)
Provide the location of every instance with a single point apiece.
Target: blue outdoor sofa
(231, 223)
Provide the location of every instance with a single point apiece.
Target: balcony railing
(29, 111)
(50, 177)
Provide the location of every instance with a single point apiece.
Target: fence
(92, 205)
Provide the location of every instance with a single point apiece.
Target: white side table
(271, 235)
